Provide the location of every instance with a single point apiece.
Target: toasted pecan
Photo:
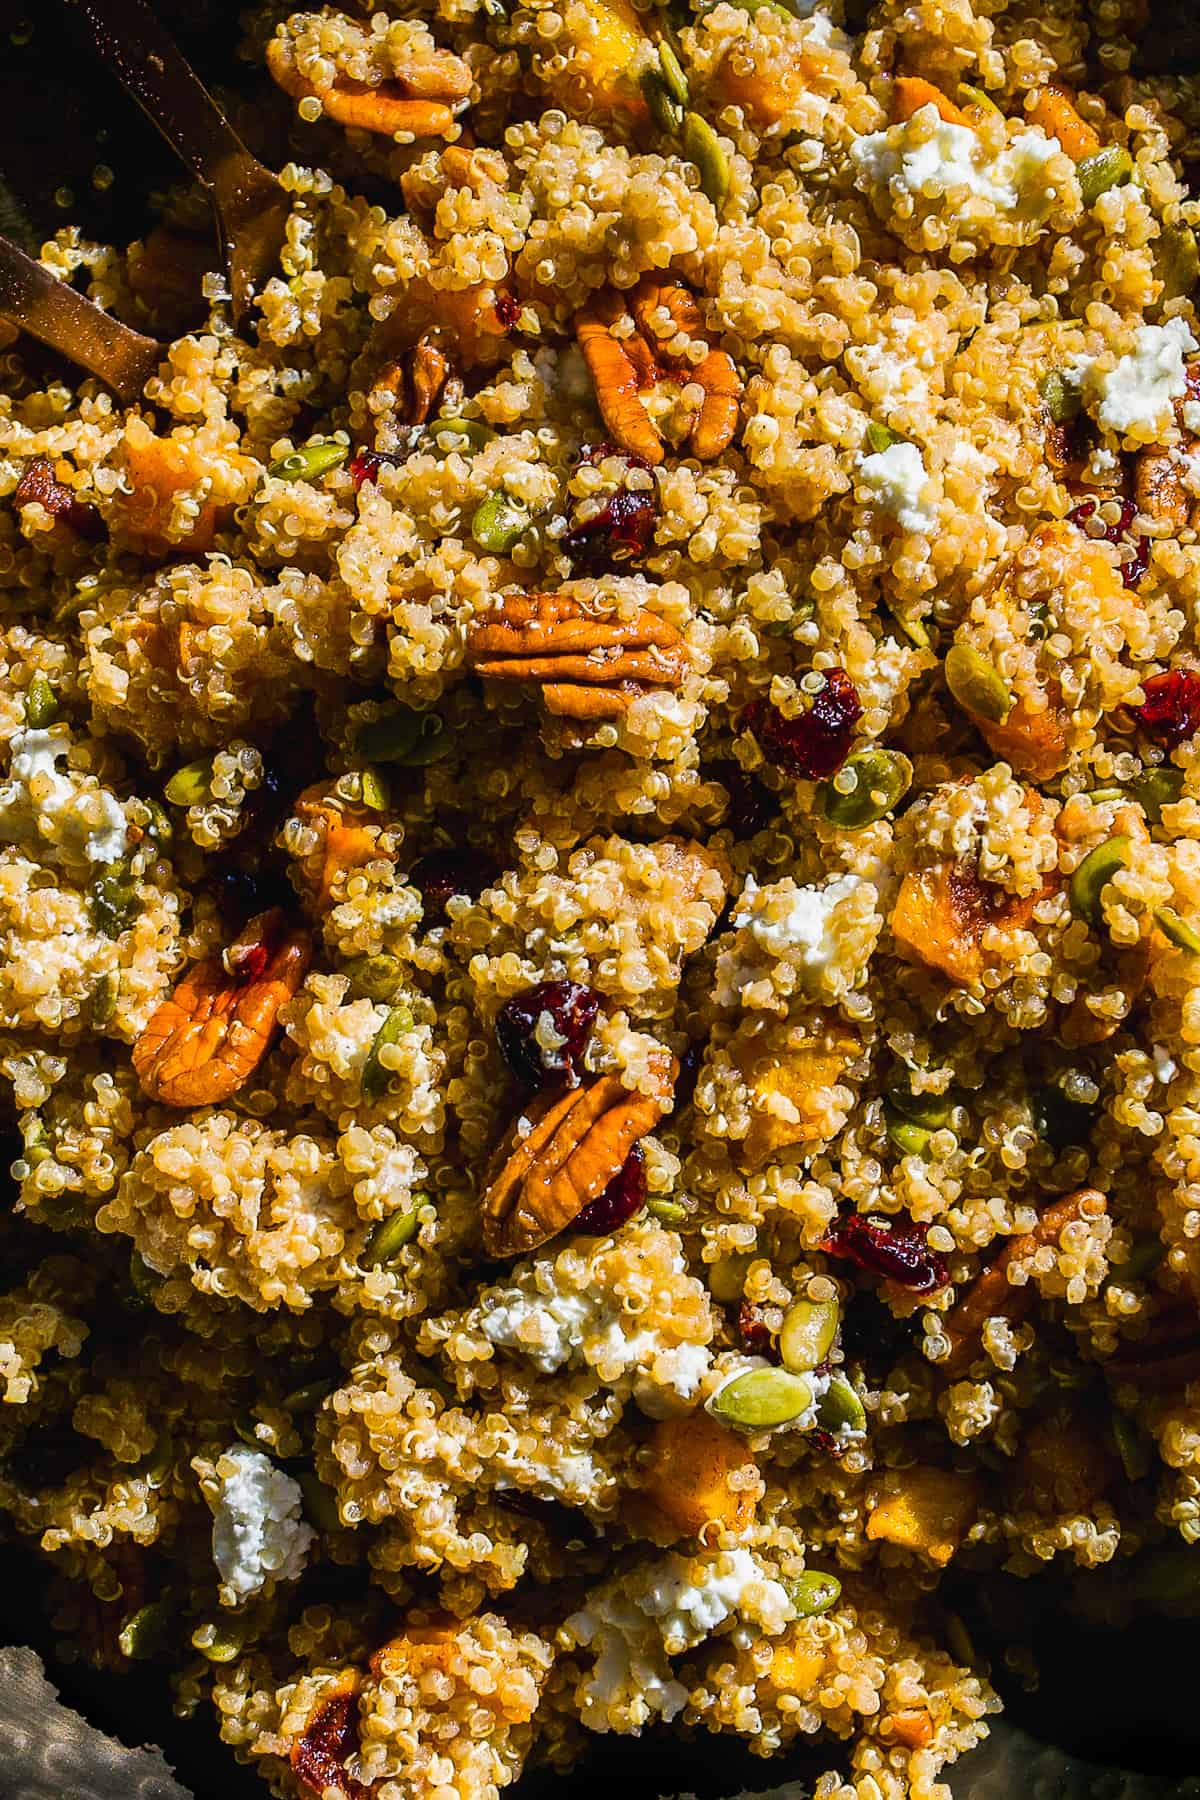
(588, 664)
(561, 1153)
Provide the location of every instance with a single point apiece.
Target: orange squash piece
(692, 1459)
(1055, 111)
(799, 1067)
(927, 1510)
(910, 93)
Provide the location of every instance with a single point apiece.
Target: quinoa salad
(600, 890)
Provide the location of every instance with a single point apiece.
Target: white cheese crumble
(670, 1607)
(557, 1328)
(41, 806)
(931, 157)
(895, 479)
(258, 1532)
(1136, 396)
(784, 919)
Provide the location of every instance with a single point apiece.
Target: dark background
(1127, 1698)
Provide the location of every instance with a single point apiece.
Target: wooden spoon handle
(55, 314)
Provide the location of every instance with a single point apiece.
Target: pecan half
(206, 1040)
(991, 1295)
(561, 1153)
(420, 98)
(589, 665)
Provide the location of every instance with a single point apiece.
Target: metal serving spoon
(55, 314)
(250, 205)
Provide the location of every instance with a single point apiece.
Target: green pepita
(1094, 874)
(702, 146)
(309, 1397)
(727, 1276)
(1156, 788)
(1105, 796)
(1176, 930)
(880, 437)
(1144, 1257)
(189, 785)
(908, 1137)
(840, 1409)
(159, 828)
(375, 1073)
(812, 1593)
(41, 704)
(674, 79)
(112, 901)
(364, 787)
(809, 1328)
(866, 788)
(929, 1109)
(219, 1641)
(307, 464)
(1060, 396)
(390, 1236)
(142, 1278)
(448, 435)
(104, 999)
(499, 522)
(320, 1502)
(1132, 1447)
(664, 109)
(1178, 261)
(761, 1399)
(404, 736)
(375, 977)
(975, 96)
(915, 630)
(668, 1212)
(977, 684)
(1108, 168)
(145, 1633)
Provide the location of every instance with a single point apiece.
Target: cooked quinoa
(600, 890)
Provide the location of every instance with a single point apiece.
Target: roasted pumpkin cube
(1055, 111)
(790, 1074)
(942, 912)
(608, 49)
(797, 1665)
(1032, 743)
(925, 1509)
(688, 1480)
(157, 470)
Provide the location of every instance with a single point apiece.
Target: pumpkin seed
(159, 828)
(1132, 1447)
(674, 79)
(1176, 930)
(664, 109)
(909, 1138)
(499, 522)
(459, 434)
(41, 704)
(1108, 168)
(112, 901)
(977, 684)
(142, 1278)
(1144, 1257)
(1178, 261)
(218, 1641)
(809, 1328)
(104, 999)
(881, 437)
(1094, 874)
(375, 1075)
(928, 1109)
(668, 1212)
(307, 464)
(915, 630)
(363, 787)
(144, 1634)
(404, 736)
(840, 1409)
(1104, 796)
(974, 96)
(702, 146)
(866, 788)
(812, 1593)
(762, 1399)
(189, 785)
(1060, 396)
(389, 1237)
(320, 1502)
(308, 1399)
(1156, 788)
(375, 977)
(727, 1276)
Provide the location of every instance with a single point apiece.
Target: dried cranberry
(1118, 534)
(443, 873)
(365, 466)
(894, 1248)
(40, 483)
(572, 1010)
(330, 1739)
(690, 1059)
(750, 805)
(1170, 713)
(624, 1196)
(753, 1330)
(617, 534)
(508, 309)
(242, 892)
(816, 743)
(826, 1442)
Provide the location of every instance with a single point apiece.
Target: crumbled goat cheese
(555, 1328)
(1136, 395)
(895, 479)
(634, 1626)
(40, 806)
(946, 159)
(257, 1528)
(783, 919)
